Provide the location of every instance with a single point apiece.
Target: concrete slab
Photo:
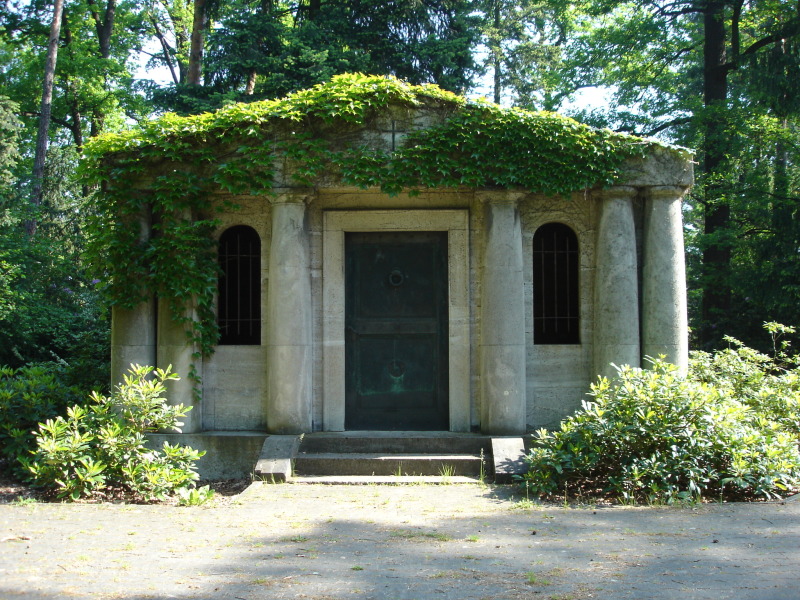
(508, 455)
(275, 460)
(229, 454)
(404, 542)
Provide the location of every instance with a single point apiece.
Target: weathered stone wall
(235, 377)
(557, 376)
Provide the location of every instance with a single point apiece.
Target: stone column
(664, 313)
(176, 350)
(289, 318)
(502, 346)
(133, 338)
(133, 331)
(616, 286)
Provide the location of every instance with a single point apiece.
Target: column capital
(500, 196)
(291, 195)
(668, 192)
(616, 192)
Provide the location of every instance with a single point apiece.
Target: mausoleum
(381, 256)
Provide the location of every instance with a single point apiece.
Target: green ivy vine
(166, 170)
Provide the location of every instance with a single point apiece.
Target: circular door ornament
(396, 278)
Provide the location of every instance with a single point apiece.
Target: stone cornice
(500, 196)
(292, 195)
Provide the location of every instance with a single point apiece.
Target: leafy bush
(657, 436)
(102, 444)
(28, 396)
(770, 385)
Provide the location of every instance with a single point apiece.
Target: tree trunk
(197, 43)
(44, 117)
(165, 49)
(716, 301)
(104, 26)
(251, 82)
(496, 55)
(71, 94)
(314, 7)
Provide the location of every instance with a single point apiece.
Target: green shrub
(102, 444)
(28, 396)
(654, 435)
(770, 385)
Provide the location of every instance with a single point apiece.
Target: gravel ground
(398, 542)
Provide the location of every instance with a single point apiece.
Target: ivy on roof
(236, 149)
(478, 145)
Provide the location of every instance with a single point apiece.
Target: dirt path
(398, 542)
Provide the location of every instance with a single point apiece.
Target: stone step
(382, 464)
(394, 455)
(396, 443)
(384, 479)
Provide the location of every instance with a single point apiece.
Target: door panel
(396, 331)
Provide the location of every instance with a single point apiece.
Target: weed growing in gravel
(534, 579)
(194, 496)
(408, 534)
(24, 502)
(446, 472)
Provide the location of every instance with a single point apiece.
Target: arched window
(556, 298)
(239, 300)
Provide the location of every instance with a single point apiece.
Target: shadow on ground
(398, 542)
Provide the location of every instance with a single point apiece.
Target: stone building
(455, 309)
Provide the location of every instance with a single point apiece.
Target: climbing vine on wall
(166, 171)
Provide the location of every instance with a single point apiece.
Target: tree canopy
(718, 76)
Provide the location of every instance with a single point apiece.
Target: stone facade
(631, 298)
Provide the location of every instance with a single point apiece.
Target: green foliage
(102, 444)
(28, 396)
(258, 50)
(654, 435)
(9, 132)
(732, 94)
(194, 496)
(526, 45)
(238, 149)
(769, 385)
(49, 309)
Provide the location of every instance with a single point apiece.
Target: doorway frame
(335, 225)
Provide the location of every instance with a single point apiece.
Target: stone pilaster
(502, 346)
(664, 313)
(176, 351)
(133, 331)
(616, 287)
(289, 318)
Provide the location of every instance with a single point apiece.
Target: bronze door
(396, 331)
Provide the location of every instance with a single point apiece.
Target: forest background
(719, 77)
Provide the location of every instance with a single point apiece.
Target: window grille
(556, 297)
(239, 289)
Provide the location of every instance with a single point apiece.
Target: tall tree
(679, 69)
(46, 109)
(523, 43)
(267, 48)
(197, 46)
